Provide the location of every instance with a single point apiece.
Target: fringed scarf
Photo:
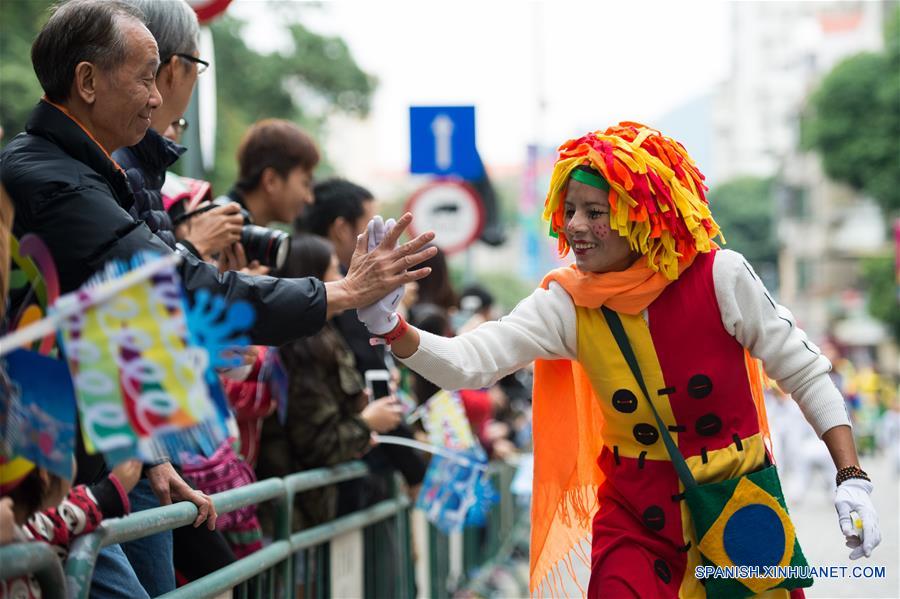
(567, 421)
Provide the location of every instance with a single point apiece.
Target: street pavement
(812, 511)
(820, 537)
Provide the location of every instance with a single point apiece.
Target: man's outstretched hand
(374, 274)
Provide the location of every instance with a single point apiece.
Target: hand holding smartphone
(378, 382)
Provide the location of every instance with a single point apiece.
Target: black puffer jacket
(67, 191)
(145, 166)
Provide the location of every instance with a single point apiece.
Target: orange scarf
(567, 421)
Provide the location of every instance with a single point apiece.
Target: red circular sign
(208, 9)
(452, 209)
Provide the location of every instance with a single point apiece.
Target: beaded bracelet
(850, 472)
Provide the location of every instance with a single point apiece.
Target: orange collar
(629, 291)
(66, 112)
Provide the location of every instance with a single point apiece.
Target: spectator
(45, 507)
(339, 212)
(97, 64)
(175, 29)
(275, 164)
(328, 420)
(276, 159)
(475, 307)
(437, 288)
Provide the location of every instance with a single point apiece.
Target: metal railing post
(80, 563)
(22, 559)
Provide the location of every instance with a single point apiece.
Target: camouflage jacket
(322, 427)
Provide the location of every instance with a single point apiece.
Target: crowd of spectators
(90, 175)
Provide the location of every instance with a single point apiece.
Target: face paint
(596, 246)
(601, 231)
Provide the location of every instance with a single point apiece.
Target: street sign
(451, 209)
(442, 141)
(208, 9)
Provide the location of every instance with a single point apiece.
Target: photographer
(276, 159)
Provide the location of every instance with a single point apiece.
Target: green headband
(589, 178)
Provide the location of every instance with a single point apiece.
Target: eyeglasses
(179, 126)
(202, 65)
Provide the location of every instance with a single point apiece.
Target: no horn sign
(452, 209)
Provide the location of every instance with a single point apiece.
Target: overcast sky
(593, 63)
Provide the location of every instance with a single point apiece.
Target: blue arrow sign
(442, 141)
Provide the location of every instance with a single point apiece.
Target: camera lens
(269, 246)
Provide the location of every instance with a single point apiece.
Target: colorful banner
(140, 384)
(446, 423)
(456, 491)
(37, 411)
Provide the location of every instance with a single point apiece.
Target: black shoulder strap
(618, 332)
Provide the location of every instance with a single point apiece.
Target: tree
(854, 124)
(743, 207)
(19, 89)
(854, 121)
(316, 77)
(882, 292)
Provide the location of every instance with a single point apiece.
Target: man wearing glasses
(99, 67)
(146, 163)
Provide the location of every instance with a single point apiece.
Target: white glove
(853, 496)
(381, 317)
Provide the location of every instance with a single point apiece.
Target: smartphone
(378, 383)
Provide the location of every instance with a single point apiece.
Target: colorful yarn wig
(656, 194)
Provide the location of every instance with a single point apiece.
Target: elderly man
(97, 64)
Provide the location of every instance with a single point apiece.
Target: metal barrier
(369, 539)
(39, 559)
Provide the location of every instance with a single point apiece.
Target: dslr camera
(270, 247)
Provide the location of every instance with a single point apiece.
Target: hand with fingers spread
(853, 495)
(168, 486)
(381, 317)
(375, 274)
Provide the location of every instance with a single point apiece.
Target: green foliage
(854, 121)
(743, 207)
(20, 21)
(880, 276)
(319, 71)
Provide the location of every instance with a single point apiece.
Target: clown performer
(647, 386)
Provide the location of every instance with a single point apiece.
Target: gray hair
(80, 31)
(173, 23)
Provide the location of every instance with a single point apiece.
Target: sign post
(442, 141)
(450, 208)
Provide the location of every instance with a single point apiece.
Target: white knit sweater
(543, 325)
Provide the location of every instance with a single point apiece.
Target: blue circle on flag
(754, 536)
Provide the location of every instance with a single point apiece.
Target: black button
(645, 433)
(624, 401)
(708, 425)
(654, 518)
(699, 386)
(662, 570)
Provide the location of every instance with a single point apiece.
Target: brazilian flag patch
(744, 522)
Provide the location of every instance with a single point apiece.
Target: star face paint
(597, 247)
